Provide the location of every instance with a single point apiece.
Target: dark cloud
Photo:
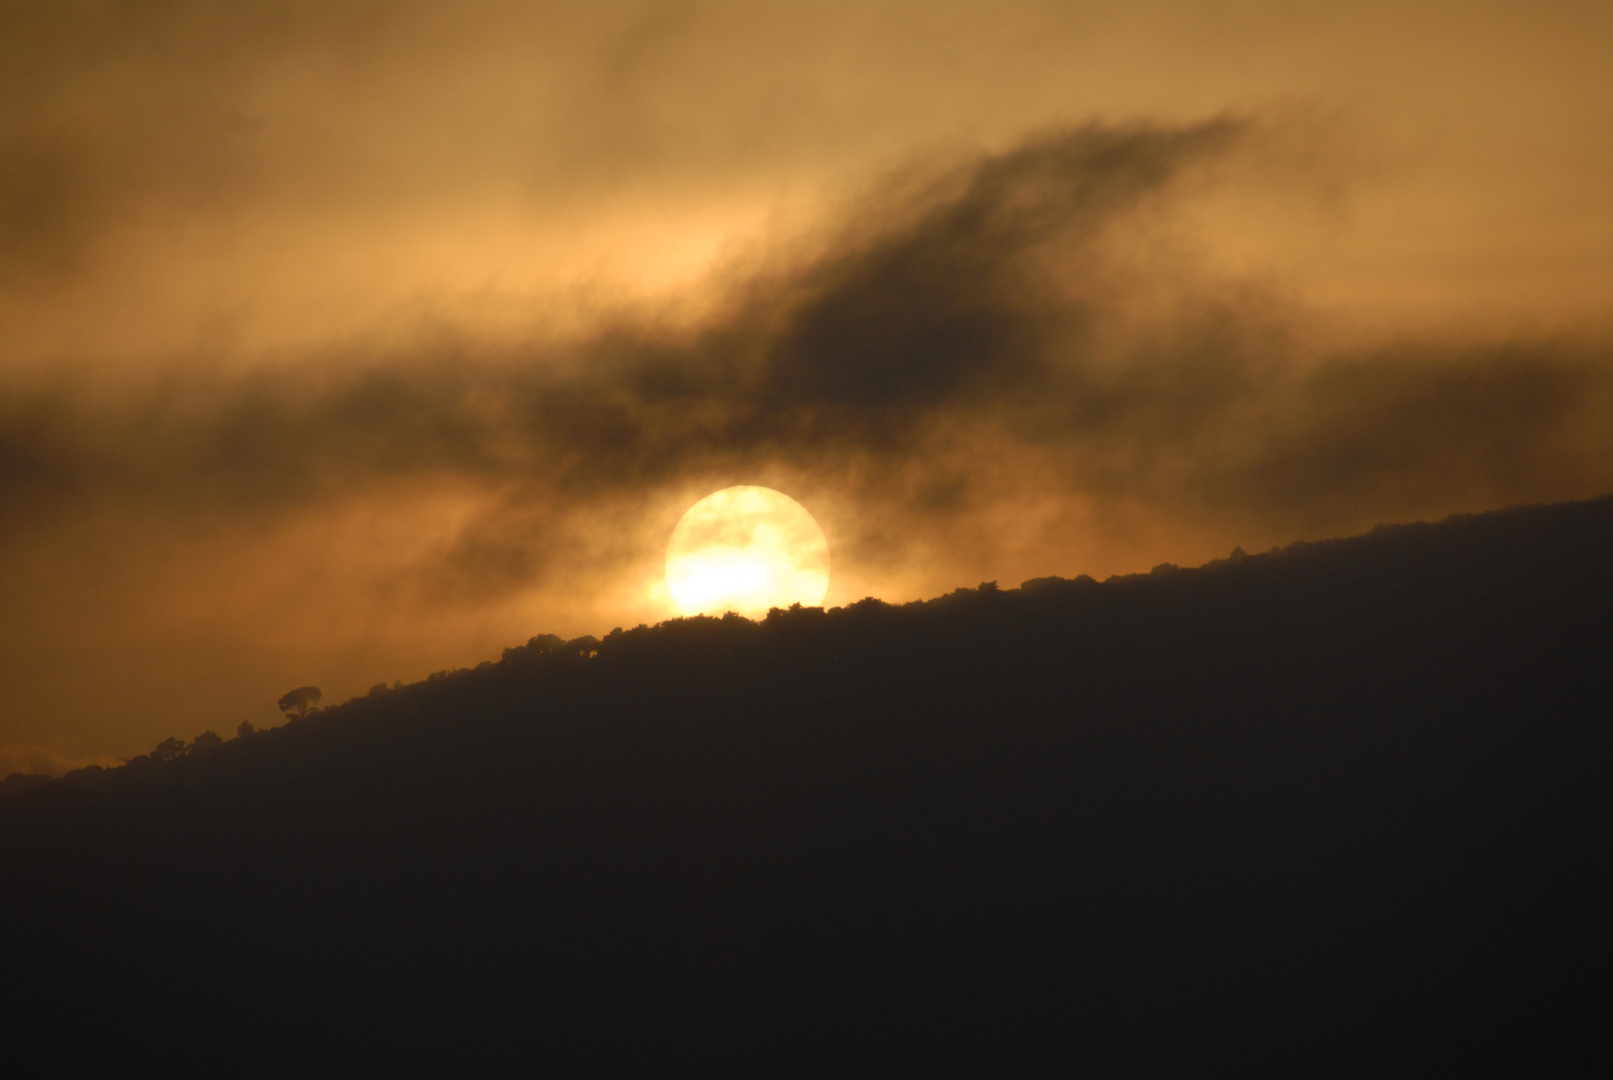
(988, 316)
(952, 304)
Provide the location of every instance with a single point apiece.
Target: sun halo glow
(746, 549)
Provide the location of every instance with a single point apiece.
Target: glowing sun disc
(746, 549)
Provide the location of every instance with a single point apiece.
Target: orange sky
(344, 343)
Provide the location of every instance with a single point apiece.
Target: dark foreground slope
(1339, 804)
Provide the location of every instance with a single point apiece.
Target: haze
(343, 344)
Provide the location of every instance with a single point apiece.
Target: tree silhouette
(168, 750)
(299, 701)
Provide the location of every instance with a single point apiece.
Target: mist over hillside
(1342, 804)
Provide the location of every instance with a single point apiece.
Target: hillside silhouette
(1343, 805)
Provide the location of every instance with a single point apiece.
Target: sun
(746, 549)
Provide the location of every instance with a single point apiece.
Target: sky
(341, 343)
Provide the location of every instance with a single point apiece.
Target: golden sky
(344, 342)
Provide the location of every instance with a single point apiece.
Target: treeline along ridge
(1341, 803)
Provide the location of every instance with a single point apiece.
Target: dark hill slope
(1334, 805)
